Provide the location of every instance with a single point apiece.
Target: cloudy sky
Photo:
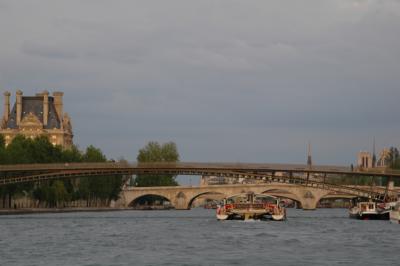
(227, 80)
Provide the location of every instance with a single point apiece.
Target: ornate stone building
(38, 115)
(384, 158)
(366, 160)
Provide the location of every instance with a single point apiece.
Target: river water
(321, 237)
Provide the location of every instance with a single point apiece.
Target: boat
(395, 213)
(251, 206)
(370, 210)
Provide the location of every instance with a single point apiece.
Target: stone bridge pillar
(181, 201)
(309, 202)
(309, 197)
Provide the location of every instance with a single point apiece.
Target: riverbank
(57, 210)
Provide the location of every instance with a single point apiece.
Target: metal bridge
(302, 175)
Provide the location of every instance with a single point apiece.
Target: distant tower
(373, 154)
(309, 159)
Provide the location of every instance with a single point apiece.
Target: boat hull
(251, 216)
(279, 217)
(370, 216)
(222, 217)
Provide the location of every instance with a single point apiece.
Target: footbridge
(317, 179)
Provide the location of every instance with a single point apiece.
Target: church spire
(309, 159)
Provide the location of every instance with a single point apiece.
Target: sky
(226, 80)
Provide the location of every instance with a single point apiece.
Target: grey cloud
(226, 80)
(47, 51)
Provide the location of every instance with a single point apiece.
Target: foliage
(155, 152)
(395, 162)
(59, 192)
(393, 158)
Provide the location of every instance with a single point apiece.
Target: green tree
(2, 150)
(58, 192)
(393, 157)
(20, 151)
(394, 162)
(99, 188)
(155, 152)
(72, 155)
(93, 155)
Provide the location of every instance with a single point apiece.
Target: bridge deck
(185, 166)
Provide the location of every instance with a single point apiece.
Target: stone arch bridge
(182, 197)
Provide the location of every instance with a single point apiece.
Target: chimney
(58, 103)
(6, 105)
(45, 107)
(19, 106)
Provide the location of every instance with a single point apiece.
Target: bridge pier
(181, 202)
(309, 197)
(309, 204)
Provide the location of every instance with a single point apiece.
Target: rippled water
(322, 237)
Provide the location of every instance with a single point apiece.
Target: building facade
(33, 116)
(384, 158)
(366, 160)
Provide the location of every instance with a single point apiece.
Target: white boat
(395, 213)
(247, 206)
(370, 210)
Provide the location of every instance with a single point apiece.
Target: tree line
(93, 191)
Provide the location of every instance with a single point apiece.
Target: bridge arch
(193, 198)
(285, 194)
(330, 200)
(136, 200)
(282, 193)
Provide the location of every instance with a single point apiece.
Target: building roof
(34, 105)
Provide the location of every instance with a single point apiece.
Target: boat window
(371, 206)
(265, 199)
